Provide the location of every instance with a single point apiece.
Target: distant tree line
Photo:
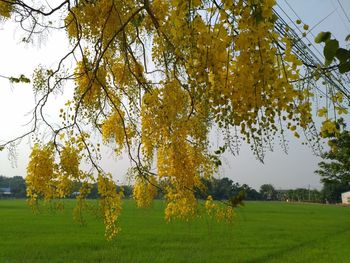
(225, 188)
(218, 188)
(18, 187)
(127, 190)
(16, 184)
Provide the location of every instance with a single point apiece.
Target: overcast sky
(283, 171)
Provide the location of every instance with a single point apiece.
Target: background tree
(224, 189)
(250, 193)
(331, 191)
(303, 195)
(268, 192)
(16, 184)
(335, 169)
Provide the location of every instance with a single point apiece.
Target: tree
(224, 189)
(250, 193)
(335, 169)
(335, 175)
(301, 195)
(153, 78)
(16, 184)
(268, 192)
(331, 191)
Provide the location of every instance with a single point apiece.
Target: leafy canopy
(336, 165)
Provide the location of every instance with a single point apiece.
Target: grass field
(261, 232)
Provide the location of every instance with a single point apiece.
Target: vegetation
(224, 189)
(261, 232)
(304, 195)
(335, 169)
(268, 192)
(18, 188)
(332, 191)
(16, 184)
(335, 174)
(219, 189)
(152, 78)
(332, 51)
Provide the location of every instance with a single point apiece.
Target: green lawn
(261, 232)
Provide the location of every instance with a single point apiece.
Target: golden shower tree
(153, 77)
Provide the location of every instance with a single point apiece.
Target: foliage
(18, 188)
(152, 78)
(335, 174)
(250, 193)
(16, 184)
(21, 78)
(224, 189)
(331, 191)
(268, 192)
(144, 192)
(335, 169)
(110, 203)
(332, 51)
(303, 195)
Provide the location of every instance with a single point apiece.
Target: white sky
(284, 171)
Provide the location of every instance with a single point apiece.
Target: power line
(292, 21)
(346, 26)
(323, 19)
(342, 8)
(305, 54)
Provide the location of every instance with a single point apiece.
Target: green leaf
(14, 80)
(330, 48)
(342, 54)
(218, 163)
(273, 18)
(322, 37)
(24, 79)
(328, 62)
(344, 67)
(347, 38)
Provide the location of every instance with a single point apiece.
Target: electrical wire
(342, 8)
(305, 54)
(295, 25)
(346, 26)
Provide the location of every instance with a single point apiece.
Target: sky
(284, 171)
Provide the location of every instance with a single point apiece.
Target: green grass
(261, 232)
